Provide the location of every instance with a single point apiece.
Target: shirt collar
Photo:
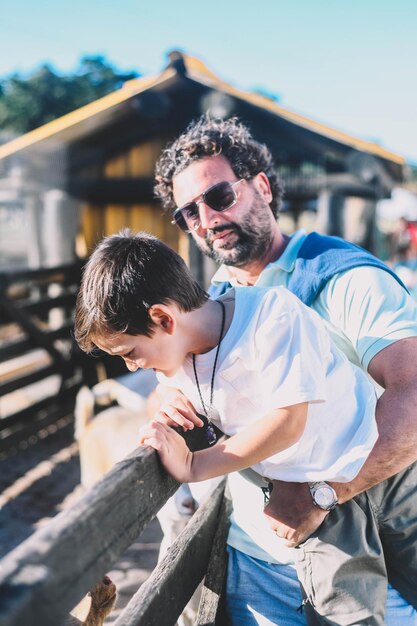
(284, 262)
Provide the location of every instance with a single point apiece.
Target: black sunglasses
(220, 197)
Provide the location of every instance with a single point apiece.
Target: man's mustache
(211, 232)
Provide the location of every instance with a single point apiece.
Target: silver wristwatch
(324, 496)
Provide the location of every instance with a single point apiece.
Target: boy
(258, 363)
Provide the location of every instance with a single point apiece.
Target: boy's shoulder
(256, 297)
(256, 307)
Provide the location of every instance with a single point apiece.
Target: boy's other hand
(171, 447)
(292, 513)
(176, 410)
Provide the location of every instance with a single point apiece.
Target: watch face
(324, 496)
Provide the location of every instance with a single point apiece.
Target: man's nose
(208, 216)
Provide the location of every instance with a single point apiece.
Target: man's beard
(253, 237)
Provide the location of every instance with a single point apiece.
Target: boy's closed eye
(128, 355)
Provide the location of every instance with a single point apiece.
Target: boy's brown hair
(127, 274)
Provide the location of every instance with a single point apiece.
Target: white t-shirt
(277, 353)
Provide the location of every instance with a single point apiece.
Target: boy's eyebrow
(117, 351)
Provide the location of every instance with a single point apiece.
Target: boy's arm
(276, 432)
(273, 433)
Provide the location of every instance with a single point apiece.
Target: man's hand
(292, 513)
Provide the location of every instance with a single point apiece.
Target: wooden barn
(101, 158)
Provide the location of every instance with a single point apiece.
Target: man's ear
(263, 186)
(162, 316)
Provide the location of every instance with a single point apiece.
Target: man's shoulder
(370, 309)
(322, 257)
(316, 243)
(364, 282)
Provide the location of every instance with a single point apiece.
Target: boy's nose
(131, 366)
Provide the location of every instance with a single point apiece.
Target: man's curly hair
(210, 137)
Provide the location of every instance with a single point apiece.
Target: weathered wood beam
(40, 338)
(44, 304)
(68, 273)
(215, 579)
(161, 598)
(36, 420)
(26, 421)
(26, 379)
(43, 578)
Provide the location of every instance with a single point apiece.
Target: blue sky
(349, 64)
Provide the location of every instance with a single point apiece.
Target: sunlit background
(348, 66)
(90, 93)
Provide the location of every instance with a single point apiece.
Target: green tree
(29, 102)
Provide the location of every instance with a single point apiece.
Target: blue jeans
(264, 594)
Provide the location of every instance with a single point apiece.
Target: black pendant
(210, 434)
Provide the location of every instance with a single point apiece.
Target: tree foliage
(29, 102)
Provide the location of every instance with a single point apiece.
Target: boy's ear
(161, 315)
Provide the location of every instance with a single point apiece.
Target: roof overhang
(188, 87)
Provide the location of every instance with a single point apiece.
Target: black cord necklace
(210, 434)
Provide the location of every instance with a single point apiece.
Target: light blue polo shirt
(364, 309)
(360, 319)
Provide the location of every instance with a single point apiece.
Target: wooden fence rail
(200, 551)
(36, 345)
(46, 576)
(43, 578)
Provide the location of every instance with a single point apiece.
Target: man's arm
(291, 510)
(395, 369)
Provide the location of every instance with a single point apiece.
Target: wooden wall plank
(115, 218)
(141, 159)
(117, 166)
(92, 225)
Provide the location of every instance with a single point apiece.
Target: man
(368, 313)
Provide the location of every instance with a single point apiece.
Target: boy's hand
(176, 410)
(171, 447)
(292, 513)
